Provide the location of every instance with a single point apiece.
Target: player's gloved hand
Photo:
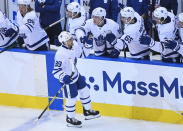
(171, 44)
(146, 40)
(115, 53)
(67, 79)
(110, 37)
(87, 42)
(10, 32)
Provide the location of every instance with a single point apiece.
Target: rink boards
(119, 87)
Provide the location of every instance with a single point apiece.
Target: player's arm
(60, 66)
(28, 25)
(147, 41)
(174, 45)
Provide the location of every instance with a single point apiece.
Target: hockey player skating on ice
(166, 30)
(35, 38)
(105, 32)
(8, 31)
(133, 30)
(66, 72)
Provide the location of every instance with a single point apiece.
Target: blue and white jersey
(168, 30)
(76, 23)
(34, 35)
(100, 45)
(6, 24)
(165, 53)
(66, 60)
(130, 38)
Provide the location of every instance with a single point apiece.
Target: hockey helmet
(127, 12)
(180, 17)
(74, 7)
(24, 2)
(64, 37)
(100, 12)
(160, 12)
(41, 1)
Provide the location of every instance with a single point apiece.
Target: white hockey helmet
(64, 37)
(180, 17)
(160, 12)
(41, 1)
(24, 2)
(74, 7)
(100, 12)
(127, 12)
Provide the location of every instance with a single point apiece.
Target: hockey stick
(56, 22)
(59, 91)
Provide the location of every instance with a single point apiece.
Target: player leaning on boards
(35, 38)
(166, 31)
(8, 31)
(66, 72)
(105, 32)
(77, 17)
(176, 45)
(133, 30)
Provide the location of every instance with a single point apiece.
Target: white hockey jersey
(130, 38)
(66, 60)
(29, 26)
(101, 46)
(167, 31)
(6, 24)
(75, 23)
(165, 53)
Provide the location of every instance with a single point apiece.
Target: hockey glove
(146, 40)
(10, 32)
(87, 42)
(110, 37)
(115, 53)
(171, 44)
(67, 79)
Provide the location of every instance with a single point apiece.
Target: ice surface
(20, 119)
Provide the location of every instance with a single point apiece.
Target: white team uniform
(6, 24)
(130, 38)
(75, 23)
(167, 31)
(65, 64)
(101, 46)
(29, 25)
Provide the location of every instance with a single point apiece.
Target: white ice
(20, 119)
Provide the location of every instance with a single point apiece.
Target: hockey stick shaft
(56, 22)
(59, 91)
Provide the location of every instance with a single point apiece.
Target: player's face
(125, 20)
(97, 20)
(23, 9)
(69, 43)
